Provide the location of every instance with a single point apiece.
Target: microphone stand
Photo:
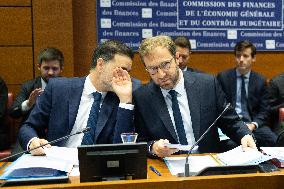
(87, 129)
(186, 166)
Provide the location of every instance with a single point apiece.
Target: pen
(155, 171)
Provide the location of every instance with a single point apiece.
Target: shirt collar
(43, 84)
(89, 88)
(179, 88)
(239, 74)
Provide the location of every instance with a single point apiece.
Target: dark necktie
(89, 137)
(244, 102)
(178, 118)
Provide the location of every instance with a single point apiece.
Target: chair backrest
(280, 128)
(10, 122)
(281, 115)
(10, 99)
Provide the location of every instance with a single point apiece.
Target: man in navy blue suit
(183, 47)
(254, 108)
(178, 107)
(65, 105)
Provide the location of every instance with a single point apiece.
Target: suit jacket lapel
(37, 83)
(107, 107)
(75, 93)
(193, 94)
(251, 88)
(161, 109)
(233, 85)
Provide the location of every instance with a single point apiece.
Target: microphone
(186, 166)
(87, 129)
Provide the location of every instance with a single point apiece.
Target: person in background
(101, 101)
(50, 64)
(276, 101)
(4, 134)
(246, 90)
(177, 107)
(183, 47)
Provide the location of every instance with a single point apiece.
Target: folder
(30, 169)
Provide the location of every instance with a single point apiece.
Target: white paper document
(237, 156)
(28, 161)
(196, 163)
(63, 154)
(275, 152)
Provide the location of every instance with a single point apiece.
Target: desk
(167, 181)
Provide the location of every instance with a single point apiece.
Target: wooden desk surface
(167, 181)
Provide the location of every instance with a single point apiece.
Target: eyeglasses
(165, 66)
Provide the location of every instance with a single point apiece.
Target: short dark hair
(108, 49)
(51, 53)
(242, 45)
(183, 42)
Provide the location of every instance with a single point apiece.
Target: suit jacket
(206, 101)
(15, 110)
(4, 139)
(56, 111)
(136, 83)
(193, 70)
(276, 98)
(258, 103)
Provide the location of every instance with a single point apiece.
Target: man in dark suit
(183, 47)
(177, 107)
(50, 64)
(4, 139)
(101, 101)
(276, 100)
(254, 108)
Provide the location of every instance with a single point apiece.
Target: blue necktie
(89, 137)
(244, 102)
(178, 118)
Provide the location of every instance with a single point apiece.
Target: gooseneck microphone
(186, 166)
(87, 129)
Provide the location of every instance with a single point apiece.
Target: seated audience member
(50, 64)
(102, 101)
(4, 139)
(246, 90)
(183, 47)
(177, 107)
(276, 100)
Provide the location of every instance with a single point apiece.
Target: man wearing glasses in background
(177, 107)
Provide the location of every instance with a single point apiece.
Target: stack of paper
(237, 156)
(55, 163)
(233, 157)
(197, 163)
(277, 153)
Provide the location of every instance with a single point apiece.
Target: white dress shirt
(183, 106)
